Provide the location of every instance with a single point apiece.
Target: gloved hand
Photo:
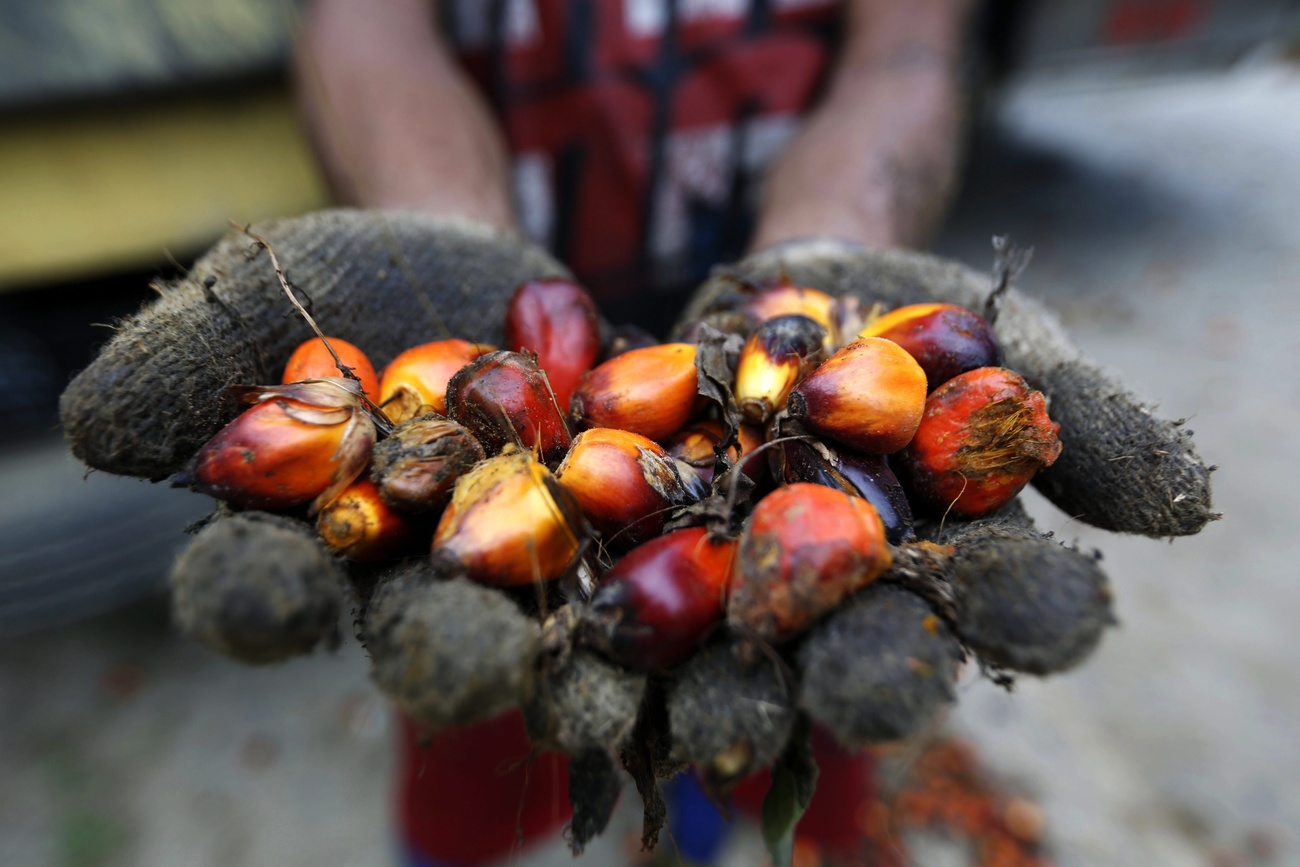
(259, 588)
(878, 668)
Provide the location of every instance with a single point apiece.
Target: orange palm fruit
(695, 445)
(312, 360)
(868, 396)
(300, 442)
(626, 484)
(415, 382)
(505, 398)
(651, 391)
(780, 353)
(984, 435)
(943, 338)
(806, 547)
(655, 606)
(510, 523)
(788, 300)
(359, 525)
(556, 321)
(416, 467)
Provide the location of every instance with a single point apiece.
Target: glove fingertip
(257, 588)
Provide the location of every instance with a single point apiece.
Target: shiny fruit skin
(556, 320)
(415, 382)
(509, 523)
(943, 338)
(866, 476)
(304, 441)
(779, 354)
(869, 396)
(267, 459)
(654, 607)
(359, 525)
(626, 484)
(416, 467)
(984, 435)
(504, 398)
(311, 360)
(806, 548)
(788, 300)
(651, 391)
(695, 444)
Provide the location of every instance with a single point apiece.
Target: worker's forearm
(877, 160)
(394, 120)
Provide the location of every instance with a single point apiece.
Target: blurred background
(1149, 150)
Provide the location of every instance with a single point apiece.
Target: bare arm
(394, 119)
(877, 160)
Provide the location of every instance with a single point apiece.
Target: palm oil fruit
(788, 300)
(416, 467)
(312, 360)
(651, 391)
(799, 459)
(655, 606)
(510, 523)
(869, 396)
(806, 547)
(775, 358)
(415, 382)
(299, 443)
(984, 435)
(504, 398)
(555, 320)
(696, 445)
(943, 338)
(359, 525)
(626, 484)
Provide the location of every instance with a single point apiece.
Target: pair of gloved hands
(260, 589)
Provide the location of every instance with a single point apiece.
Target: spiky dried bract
(1023, 601)
(727, 718)
(1123, 469)
(257, 588)
(594, 786)
(585, 703)
(448, 651)
(387, 280)
(879, 668)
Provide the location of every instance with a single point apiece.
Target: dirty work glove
(258, 587)
(880, 666)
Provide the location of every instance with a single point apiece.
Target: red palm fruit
(805, 549)
(984, 435)
(654, 607)
(626, 484)
(415, 382)
(510, 523)
(943, 338)
(695, 446)
(866, 476)
(417, 465)
(300, 442)
(312, 360)
(359, 525)
(651, 391)
(557, 321)
(868, 396)
(780, 353)
(505, 398)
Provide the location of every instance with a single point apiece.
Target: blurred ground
(1164, 219)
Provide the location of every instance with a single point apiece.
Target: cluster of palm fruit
(748, 478)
